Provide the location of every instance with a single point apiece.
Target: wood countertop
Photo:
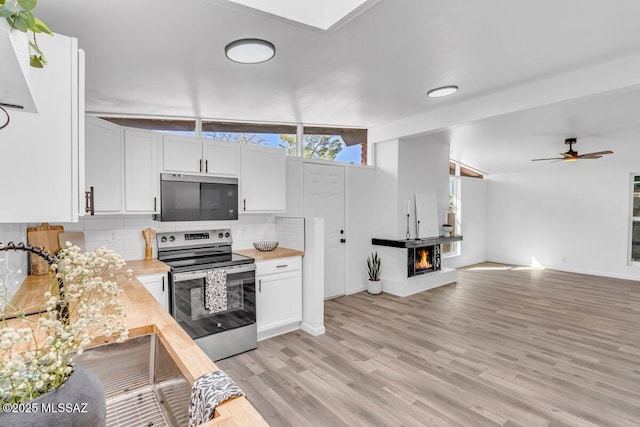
(267, 255)
(145, 316)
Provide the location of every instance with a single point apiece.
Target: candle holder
(418, 230)
(408, 234)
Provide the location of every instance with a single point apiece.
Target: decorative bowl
(265, 246)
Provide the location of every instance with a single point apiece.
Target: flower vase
(374, 287)
(78, 402)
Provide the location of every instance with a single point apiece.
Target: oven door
(188, 295)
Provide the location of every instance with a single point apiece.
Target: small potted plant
(374, 286)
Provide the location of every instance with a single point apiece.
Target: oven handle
(179, 277)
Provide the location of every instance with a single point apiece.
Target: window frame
(632, 219)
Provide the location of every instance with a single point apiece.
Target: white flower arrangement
(81, 304)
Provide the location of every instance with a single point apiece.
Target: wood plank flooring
(504, 346)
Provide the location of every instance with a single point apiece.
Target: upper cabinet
(263, 179)
(181, 154)
(220, 157)
(103, 165)
(43, 154)
(141, 175)
(196, 155)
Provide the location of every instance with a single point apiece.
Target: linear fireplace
(423, 260)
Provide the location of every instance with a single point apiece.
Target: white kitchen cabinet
(181, 154)
(220, 157)
(278, 296)
(189, 154)
(141, 175)
(42, 154)
(263, 179)
(158, 286)
(103, 164)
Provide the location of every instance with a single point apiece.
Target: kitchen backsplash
(13, 264)
(123, 233)
(290, 233)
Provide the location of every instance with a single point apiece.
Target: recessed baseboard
(313, 331)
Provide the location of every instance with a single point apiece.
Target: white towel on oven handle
(215, 299)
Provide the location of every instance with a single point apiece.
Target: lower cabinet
(278, 296)
(158, 286)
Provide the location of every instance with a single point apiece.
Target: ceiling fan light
(250, 51)
(442, 91)
(570, 159)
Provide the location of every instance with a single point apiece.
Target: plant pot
(79, 402)
(374, 287)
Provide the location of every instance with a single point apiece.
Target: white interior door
(324, 197)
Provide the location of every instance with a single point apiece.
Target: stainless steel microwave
(197, 198)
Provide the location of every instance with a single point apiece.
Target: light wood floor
(503, 346)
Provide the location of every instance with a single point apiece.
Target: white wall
(473, 204)
(566, 216)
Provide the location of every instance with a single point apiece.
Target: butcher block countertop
(145, 316)
(266, 255)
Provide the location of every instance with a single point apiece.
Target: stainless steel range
(191, 256)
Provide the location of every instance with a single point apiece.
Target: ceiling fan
(572, 156)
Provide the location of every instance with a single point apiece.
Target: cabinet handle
(88, 201)
(244, 204)
(259, 285)
(200, 165)
(206, 166)
(162, 283)
(155, 204)
(282, 266)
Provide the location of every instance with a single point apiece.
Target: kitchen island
(146, 316)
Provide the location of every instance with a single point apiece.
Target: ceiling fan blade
(589, 157)
(597, 153)
(550, 158)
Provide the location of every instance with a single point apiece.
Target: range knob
(227, 234)
(172, 239)
(164, 239)
(220, 235)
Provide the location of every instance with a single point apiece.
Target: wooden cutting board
(44, 236)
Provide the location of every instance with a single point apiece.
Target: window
(458, 169)
(269, 135)
(345, 145)
(635, 219)
(175, 127)
(453, 217)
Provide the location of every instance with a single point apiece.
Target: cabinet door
(141, 176)
(157, 286)
(103, 164)
(220, 157)
(263, 179)
(182, 154)
(39, 153)
(278, 300)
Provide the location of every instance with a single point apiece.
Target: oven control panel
(178, 239)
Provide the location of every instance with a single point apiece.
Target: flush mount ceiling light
(442, 91)
(250, 51)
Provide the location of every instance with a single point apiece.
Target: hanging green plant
(20, 17)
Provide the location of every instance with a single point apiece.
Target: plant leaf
(28, 4)
(7, 11)
(28, 18)
(37, 61)
(41, 27)
(1, 2)
(20, 24)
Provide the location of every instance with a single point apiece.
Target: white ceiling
(162, 57)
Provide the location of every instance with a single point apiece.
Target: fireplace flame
(422, 262)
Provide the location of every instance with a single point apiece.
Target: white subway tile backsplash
(102, 223)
